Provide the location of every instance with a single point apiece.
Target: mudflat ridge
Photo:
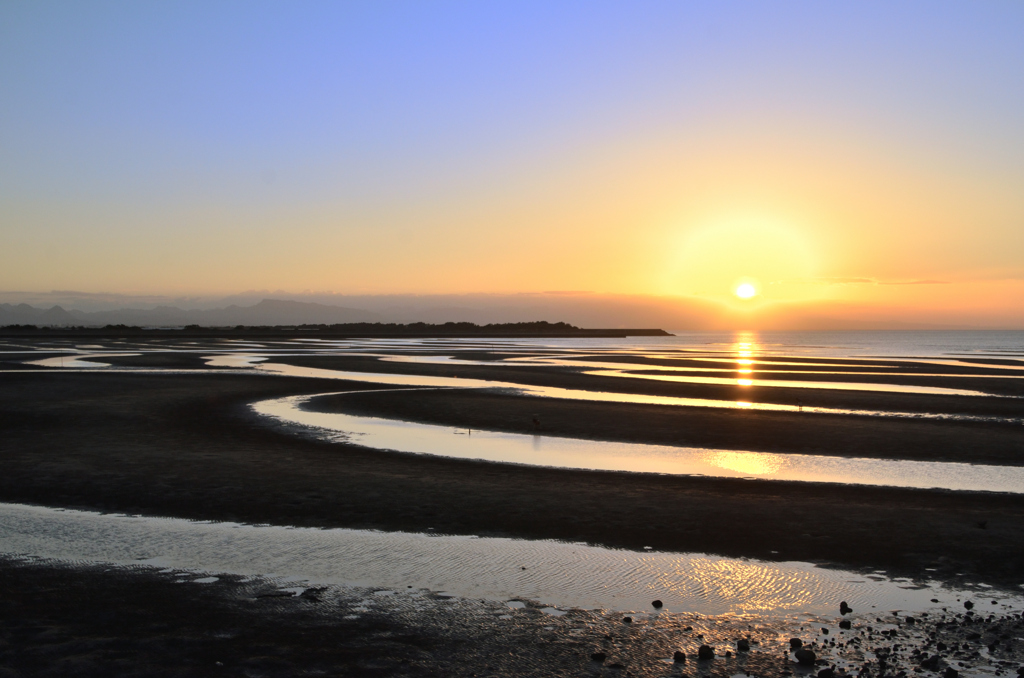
(186, 445)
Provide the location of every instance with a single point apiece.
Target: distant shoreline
(345, 331)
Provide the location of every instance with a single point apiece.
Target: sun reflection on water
(746, 347)
(758, 586)
(752, 463)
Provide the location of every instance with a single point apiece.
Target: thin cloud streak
(857, 281)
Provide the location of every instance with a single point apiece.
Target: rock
(931, 663)
(627, 620)
(795, 643)
(728, 653)
(845, 624)
(950, 672)
(844, 609)
(656, 604)
(826, 673)
(911, 620)
(679, 657)
(805, 657)
(968, 604)
(940, 646)
(599, 657)
(824, 631)
(705, 652)
(743, 645)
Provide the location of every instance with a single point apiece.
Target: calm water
(404, 436)
(416, 380)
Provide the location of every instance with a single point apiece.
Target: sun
(745, 291)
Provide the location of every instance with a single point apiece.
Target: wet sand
(60, 620)
(574, 379)
(784, 432)
(186, 445)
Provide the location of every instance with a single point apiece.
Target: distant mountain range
(582, 309)
(266, 312)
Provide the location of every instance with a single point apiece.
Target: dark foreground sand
(186, 445)
(57, 620)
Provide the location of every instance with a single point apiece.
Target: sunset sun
(745, 291)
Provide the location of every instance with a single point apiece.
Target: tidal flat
(167, 429)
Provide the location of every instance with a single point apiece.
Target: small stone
(795, 643)
(805, 657)
(968, 604)
(599, 657)
(826, 673)
(705, 652)
(824, 631)
(931, 663)
(627, 620)
(679, 657)
(728, 653)
(742, 645)
(844, 609)
(911, 620)
(950, 672)
(845, 624)
(656, 604)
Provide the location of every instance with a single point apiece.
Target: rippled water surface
(556, 573)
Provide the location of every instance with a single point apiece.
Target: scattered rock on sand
(679, 657)
(795, 643)
(705, 652)
(844, 609)
(845, 624)
(743, 645)
(805, 657)
(656, 604)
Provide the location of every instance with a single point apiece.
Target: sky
(855, 158)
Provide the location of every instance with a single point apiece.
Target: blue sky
(132, 127)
